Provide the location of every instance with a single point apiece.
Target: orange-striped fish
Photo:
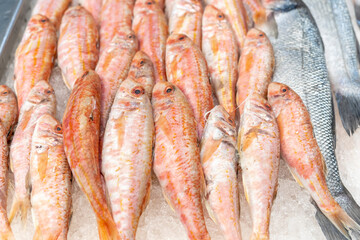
(113, 68)
(302, 154)
(34, 56)
(234, 10)
(142, 71)
(177, 158)
(78, 44)
(258, 11)
(256, 66)
(5, 228)
(220, 163)
(116, 17)
(8, 110)
(52, 9)
(81, 128)
(221, 53)
(127, 156)
(41, 100)
(93, 7)
(151, 28)
(186, 68)
(185, 17)
(259, 150)
(8, 118)
(50, 181)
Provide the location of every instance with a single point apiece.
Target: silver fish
(333, 20)
(300, 64)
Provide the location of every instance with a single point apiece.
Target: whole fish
(117, 18)
(151, 28)
(8, 110)
(8, 119)
(5, 228)
(235, 12)
(41, 100)
(300, 64)
(341, 52)
(81, 128)
(177, 159)
(142, 71)
(34, 56)
(127, 156)
(221, 53)
(259, 149)
(185, 17)
(78, 44)
(219, 161)
(93, 7)
(257, 10)
(186, 68)
(50, 181)
(52, 9)
(113, 68)
(256, 66)
(302, 154)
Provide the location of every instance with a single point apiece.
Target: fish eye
(283, 90)
(182, 38)
(220, 16)
(43, 20)
(169, 89)
(138, 91)
(48, 91)
(149, 3)
(4, 93)
(131, 36)
(261, 35)
(142, 62)
(58, 128)
(267, 105)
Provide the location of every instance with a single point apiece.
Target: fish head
(88, 77)
(257, 112)
(177, 42)
(37, 23)
(212, 15)
(141, 66)
(131, 94)
(41, 92)
(164, 95)
(125, 39)
(279, 95)
(145, 6)
(76, 11)
(6, 95)
(256, 38)
(48, 132)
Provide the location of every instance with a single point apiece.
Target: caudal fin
(348, 101)
(107, 230)
(22, 205)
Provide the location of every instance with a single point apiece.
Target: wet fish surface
(219, 159)
(8, 110)
(50, 181)
(93, 7)
(127, 156)
(177, 157)
(300, 64)
(52, 9)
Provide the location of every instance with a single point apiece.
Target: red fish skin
(52, 9)
(34, 57)
(81, 129)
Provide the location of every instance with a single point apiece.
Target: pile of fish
(197, 94)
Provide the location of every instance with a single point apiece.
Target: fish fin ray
(348, 102)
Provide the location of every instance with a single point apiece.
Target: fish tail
(348, 100)
(22, 205)
(107, 230)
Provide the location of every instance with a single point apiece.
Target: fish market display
(302, 154)
(186, 68)
(50, 181)
(34, 56)
(113, 68)
(127, 156)
(78, 44)
(117, 17)
(151, 28)
(259, 150)
(257, 10)
(303, 69)
(8, 117)
(256, 66)
(177, 158)
(52, 9)
(341, 52)
(81, 128)
(142, 71)
(185, 17)
(93, 7)
(221, 53)
(234, 10)
(40, 101)
(220, 163)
